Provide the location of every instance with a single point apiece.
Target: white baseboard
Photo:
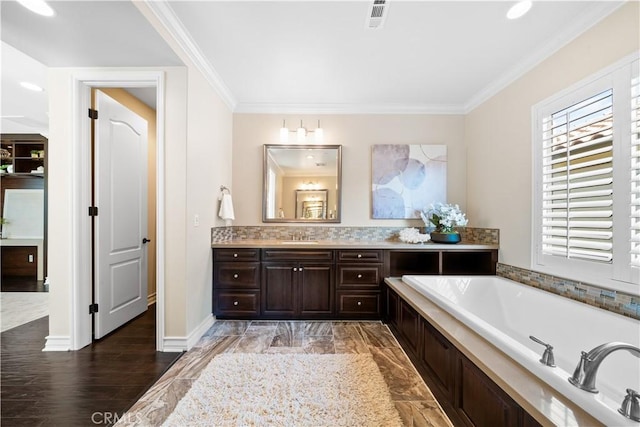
(174, 344)
(57, 343)
(198, 332)
(178, 344)
(151, 299)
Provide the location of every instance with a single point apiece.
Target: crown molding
(575, 28)
(167, 17)
(273, 108)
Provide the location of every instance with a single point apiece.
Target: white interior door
(120, 191)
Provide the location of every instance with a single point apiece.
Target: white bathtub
(506, 313)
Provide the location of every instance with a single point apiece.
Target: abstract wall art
(407, 179)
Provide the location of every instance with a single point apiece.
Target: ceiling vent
(377, 14)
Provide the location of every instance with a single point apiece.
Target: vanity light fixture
(38, 6)
(301, 133)
(519, 9)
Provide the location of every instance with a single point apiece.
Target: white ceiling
(308, 56)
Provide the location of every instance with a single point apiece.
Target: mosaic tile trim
(280, 232)
(615, 301)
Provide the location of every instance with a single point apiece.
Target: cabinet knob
(235, 276)
(359, 302)
(359, 255)
(295, 269)
(300, 269)
(235, 255)
(235, 303)
(359, 276)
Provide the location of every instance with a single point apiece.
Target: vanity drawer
(360, 304)
(236, 254)
(297, 255)
(362, 256)
(245, 275)
(359, 276)
(236, 304)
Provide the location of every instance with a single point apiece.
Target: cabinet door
(438, 355)
(480, 401)
(279, 290)
(393, 315)
(409, 325)
(316, 289)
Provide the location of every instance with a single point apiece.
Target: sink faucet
(584, 376)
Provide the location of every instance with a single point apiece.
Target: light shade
(38, 6)
(31, 86)
(319, 135)
(519, 9)
(301, 133)
(284, 134)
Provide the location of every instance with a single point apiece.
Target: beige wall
(356, 134)
(149, 114)
(498, 132)
(208, 167)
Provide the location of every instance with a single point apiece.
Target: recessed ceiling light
(38, 6)
(519, 9)
(31, 86)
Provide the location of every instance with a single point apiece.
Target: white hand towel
(226, 207)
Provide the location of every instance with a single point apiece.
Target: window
(635, 168)
(586, 190)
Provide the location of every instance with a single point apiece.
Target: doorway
(123, 171)
(80, 333)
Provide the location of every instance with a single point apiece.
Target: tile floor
(412, 398)
(18, 308)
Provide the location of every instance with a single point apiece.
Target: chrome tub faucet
(584, 376)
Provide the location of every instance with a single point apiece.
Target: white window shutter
(577, 180)
(635, 171)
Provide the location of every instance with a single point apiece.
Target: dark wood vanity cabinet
(359, 279)
(321, 283)
(468, 396)
(297, 284)
(236, 279)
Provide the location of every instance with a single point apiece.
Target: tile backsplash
(615, 301)
(219, 234)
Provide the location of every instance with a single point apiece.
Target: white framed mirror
(301, 183)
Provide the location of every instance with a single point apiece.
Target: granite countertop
(347, 244)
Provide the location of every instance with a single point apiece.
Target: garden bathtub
(506, 313)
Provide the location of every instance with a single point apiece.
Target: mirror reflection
(302, 183)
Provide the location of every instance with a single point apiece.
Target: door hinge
(93, 308)
(93, 114)
(93, 211)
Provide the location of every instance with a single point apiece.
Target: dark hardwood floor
(21, 284)
(92, 386)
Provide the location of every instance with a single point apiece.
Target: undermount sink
(298, 242)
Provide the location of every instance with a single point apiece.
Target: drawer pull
(235, 276)
(235, 255)
(359, 276)
(359, 255)
(235, 303)
(359, 302)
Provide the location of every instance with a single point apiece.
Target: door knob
(145, 240)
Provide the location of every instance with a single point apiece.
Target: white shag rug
(288, 390)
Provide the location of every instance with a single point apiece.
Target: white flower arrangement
(444, 217)
(412, 235)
